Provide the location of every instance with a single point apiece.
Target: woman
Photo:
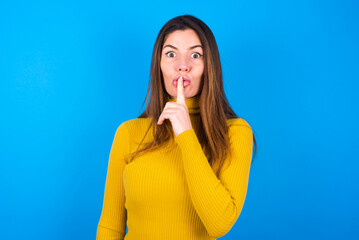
(180, 170)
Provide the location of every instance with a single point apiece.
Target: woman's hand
(177, 112)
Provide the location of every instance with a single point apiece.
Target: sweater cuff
(187, 138)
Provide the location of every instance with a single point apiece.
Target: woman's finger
(163, 117)
(180, 94)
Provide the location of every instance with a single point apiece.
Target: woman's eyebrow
(170, 46)
(195, 46)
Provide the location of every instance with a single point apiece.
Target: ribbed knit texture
(173, 193)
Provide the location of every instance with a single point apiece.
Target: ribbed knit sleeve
(112, 224)
(218, 202)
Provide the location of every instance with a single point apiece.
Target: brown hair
(214, 107)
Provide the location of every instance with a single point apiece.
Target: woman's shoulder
(237, 122)
(133, 129)
(136, 123)
(239, 128)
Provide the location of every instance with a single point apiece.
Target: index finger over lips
(180, 94)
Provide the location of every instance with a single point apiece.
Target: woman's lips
(186, 81)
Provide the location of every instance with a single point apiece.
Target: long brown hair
(214, 107)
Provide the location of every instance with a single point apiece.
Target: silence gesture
(177, 112)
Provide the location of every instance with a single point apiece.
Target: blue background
(71, 73)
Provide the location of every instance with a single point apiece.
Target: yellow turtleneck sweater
(172, 193)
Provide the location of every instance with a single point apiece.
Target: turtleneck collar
(192, 104)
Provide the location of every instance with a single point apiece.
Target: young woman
(180, 170)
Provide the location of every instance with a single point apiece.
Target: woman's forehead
(182, 39)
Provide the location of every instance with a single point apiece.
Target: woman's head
(185, 46)
(182, 55)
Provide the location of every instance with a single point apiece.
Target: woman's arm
(112, 224)
(218, 202)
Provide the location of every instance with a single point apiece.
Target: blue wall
(71, 73)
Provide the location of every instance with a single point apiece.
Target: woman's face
(182, 55)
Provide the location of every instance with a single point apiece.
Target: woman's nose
(183, 65)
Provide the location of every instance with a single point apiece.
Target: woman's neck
(192, 104)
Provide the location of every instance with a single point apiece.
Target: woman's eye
(196, 55)
(171, 54)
